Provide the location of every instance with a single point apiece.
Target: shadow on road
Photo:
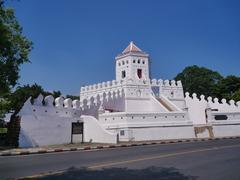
(151, 173)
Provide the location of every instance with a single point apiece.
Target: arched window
(134, 61)
(123, 74)
(143, 62)
(139, 61)
(123, 63)
(139, 73)
(127, 61)
(119, 64)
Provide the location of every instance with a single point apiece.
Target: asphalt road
(218, 159)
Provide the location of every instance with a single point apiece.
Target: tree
(228, 87)
(4, 106)
(200, 80)
(73, 97)
(14, 51)
(21, 94)
(55, 94)
(236, 95)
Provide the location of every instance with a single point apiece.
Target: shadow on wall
(114, 102)
(151, 173)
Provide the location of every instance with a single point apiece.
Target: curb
(87, 148)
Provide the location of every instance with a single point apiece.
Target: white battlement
(168, 87)
(49, 106)
(214, 103)
(166, 83)
(203, 111)
(101, 86)
(114, 83)
(45, 116)
(105, 86)
(60, 102)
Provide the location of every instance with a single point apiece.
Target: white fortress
(133, 107)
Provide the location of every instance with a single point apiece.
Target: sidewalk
(95, 146)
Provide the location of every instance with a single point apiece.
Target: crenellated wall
(209, 105)
(100, 88)
(49, 107)
(166, 83)
(171, 89)
(223, 117)
(196, 108)
(110, 100)
(129, 95)
(223, 105)
(166, 87)
(213, 118)
(47, 121)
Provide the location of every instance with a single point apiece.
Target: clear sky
(75, 41)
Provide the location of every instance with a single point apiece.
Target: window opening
(139, 73)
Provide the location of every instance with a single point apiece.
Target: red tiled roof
(131, 48)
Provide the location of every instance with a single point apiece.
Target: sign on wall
(77, 128)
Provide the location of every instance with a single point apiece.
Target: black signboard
(77, 128)
(221, 117)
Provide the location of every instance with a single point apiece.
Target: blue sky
(75, 41)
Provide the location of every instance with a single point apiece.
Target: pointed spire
(131, 48)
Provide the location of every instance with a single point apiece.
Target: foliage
(228, 86)
(236, 95)
(21, 94)
(73, 97)
(199, 80)
(4, 106)
(14, 49)
(55, 94)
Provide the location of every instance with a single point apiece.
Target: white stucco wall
(94, 132)
(148, 126)
(158, 133)
(47, 124)
(42, 130)
(226, 130)
(196, 109)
